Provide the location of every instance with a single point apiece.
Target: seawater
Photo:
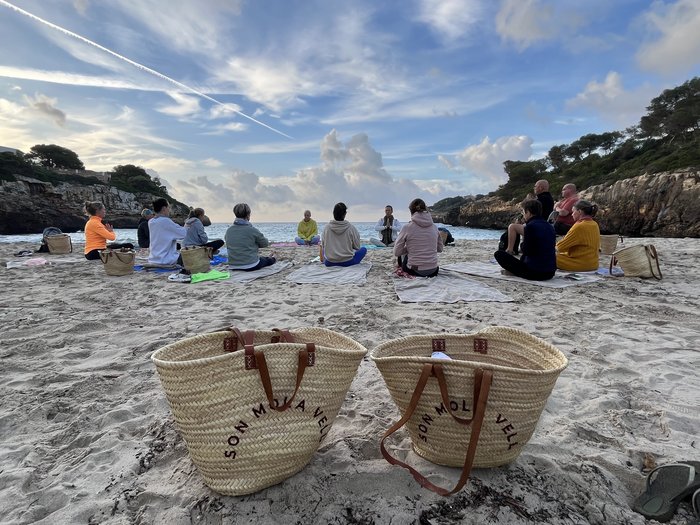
(274, 231)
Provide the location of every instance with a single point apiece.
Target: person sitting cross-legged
(307, 231)
(578, 250)
(243, 241)
(538, 262)
(196, 235)
(341, 240)
(419, 242)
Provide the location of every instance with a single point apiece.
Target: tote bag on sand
(477, 409)
(118, 262)
(637, 261)
(253, 406)
(197, 259)
(59, 244)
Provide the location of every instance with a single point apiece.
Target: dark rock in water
(653, 205)
(28, 205)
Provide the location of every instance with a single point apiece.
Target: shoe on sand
(179, 278)
(666, 486)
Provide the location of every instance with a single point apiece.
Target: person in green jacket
(307, 231)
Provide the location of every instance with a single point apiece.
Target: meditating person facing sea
(97, 234)
(388, 226)
(164, 234)
(538, 262)
(243, 241)
(419, 242)
(578, 251)
(307, 230)
(196, 236)
(142, 228)
(515, 230)
(341, 240)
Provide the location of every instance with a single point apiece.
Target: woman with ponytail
(97, 234)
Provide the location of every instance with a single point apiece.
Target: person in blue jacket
(538, 261)
(196, 236)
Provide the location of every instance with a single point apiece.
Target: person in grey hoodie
(419, 242)
(243, 240)
(196, 236)
(341, 240)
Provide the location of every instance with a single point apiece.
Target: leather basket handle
(653, 259)
(255, 359)
(482, 385)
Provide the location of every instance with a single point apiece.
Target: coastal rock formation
(658, 205)
(654, 205)
(29, 205)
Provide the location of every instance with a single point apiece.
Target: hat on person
(147, 212)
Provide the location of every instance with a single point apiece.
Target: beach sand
(87, 435)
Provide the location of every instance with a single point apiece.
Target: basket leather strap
(613, 262)
(482, 385)
(283, 335)
(306, 358)
(653, 259)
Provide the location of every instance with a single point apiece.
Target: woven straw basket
(496, 386)
(196, 259)
(608, 243)
(637, 261)
(118, 262)
(253, 417)
(59, 244)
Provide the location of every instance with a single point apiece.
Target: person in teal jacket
(243, 241)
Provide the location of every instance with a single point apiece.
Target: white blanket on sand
(321, 274)
(493, 271)
(246, 277)
(447, 287)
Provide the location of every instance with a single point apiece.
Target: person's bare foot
(506, 272)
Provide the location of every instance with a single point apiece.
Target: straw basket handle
(255, 360)
(482, 385)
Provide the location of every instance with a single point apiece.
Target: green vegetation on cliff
(43, 160)
(665, 139)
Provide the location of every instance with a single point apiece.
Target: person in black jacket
(142, 229)
(539, 260)
(511, 239)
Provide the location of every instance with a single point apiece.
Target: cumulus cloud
(525, 22)
(612, 102)
(485, 160)
(677, 48)
(46, 106)
(451, 19)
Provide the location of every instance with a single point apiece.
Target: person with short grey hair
(307, 231)
(243, 241)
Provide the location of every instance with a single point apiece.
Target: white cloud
(677, 48)
(46, 107)
(525, 22)
(212, 163)
(484, 161)
(81, 6)
(185, 105)
(72, 79)
(451, 19)
(612, 102)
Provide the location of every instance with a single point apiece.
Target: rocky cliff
(658, 205)
(28, 205)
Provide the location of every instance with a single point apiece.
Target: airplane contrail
(136, 64)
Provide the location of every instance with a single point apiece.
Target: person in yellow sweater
(307, 231)
(97, 234)
(578, 250)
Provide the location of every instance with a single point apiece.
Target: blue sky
(369, 102)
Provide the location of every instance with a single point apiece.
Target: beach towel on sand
(246, 277)
(320, 274)
(447, 287)
(493, 271)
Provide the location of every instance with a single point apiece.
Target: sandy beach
(87, 435)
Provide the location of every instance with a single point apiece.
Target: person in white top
(388, 226)
(164, 234)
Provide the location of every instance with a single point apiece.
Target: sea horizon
(273, 231)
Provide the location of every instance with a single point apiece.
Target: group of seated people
(542, 255)
(415, 245)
